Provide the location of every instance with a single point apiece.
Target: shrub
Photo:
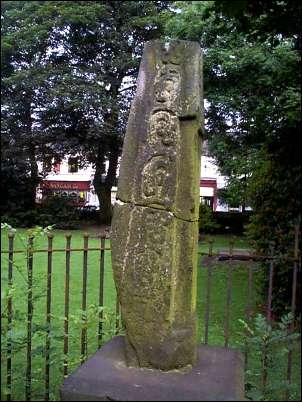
(58, 210)
(207, 223)
(21, 218)
(270, 343)
(54, 210)
(232, 222)
(88, 213)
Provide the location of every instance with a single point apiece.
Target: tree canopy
(251, 80)
(252, 71)
(68, 77)
(69, 71)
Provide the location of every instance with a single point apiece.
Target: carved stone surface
(155, 221)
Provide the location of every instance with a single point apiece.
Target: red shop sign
(66, 185)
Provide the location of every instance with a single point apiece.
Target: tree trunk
(98, 178)
(34, 172)
(104, 196)
(34, 177)
(244, 194)
(103, 186)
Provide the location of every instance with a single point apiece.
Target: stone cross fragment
(155, 221)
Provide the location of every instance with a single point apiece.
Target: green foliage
(88, 214)
(207, 222)
(64, 65)
(232, 222)
(222, 222)
(277, 208)
(21, 218)
(6, 226)
(262, 18)
(54, 210)
(269, 343)
(252, 70)
(236, 164)
(15, 181)
(58, 211)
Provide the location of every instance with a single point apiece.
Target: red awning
(65, 185)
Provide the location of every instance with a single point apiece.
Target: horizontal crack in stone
(134, 204)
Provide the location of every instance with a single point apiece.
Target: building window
(73, 165)
(47, 164)
(81, 196)
(57, 166)
(207, 201)
(234, 208)
(73, 195)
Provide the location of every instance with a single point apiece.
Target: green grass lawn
(222, 242)
(217, 305)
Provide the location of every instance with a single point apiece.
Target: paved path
(238, 254)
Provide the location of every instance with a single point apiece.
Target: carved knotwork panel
(156, 180)
(167, 86)
(163, 129)
(149, 268)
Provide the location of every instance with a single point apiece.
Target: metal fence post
(48, 315)
(9, 314)
(208, 292)
(293, 308)
(84, 301)
(66, 303)
(270, 285)
(101, 291)
(29, 316)
(229, 295)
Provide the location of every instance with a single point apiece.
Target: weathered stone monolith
(154, 250)
(155, 221)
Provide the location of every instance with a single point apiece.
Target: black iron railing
(86, 250)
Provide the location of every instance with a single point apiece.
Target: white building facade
(67, 179)
(210, 182)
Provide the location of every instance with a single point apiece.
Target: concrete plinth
(217, 376)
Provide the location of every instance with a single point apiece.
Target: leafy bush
(58, 210)
(207, 223)
(232, 222)
(54, 210)
(21, 217)
(276, 213)
(88, 213)
(270, 344)
(222, 222)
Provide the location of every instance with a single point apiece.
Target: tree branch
(125, 89)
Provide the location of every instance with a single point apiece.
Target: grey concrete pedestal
(218, 376)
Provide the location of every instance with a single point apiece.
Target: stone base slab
(217, 376)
